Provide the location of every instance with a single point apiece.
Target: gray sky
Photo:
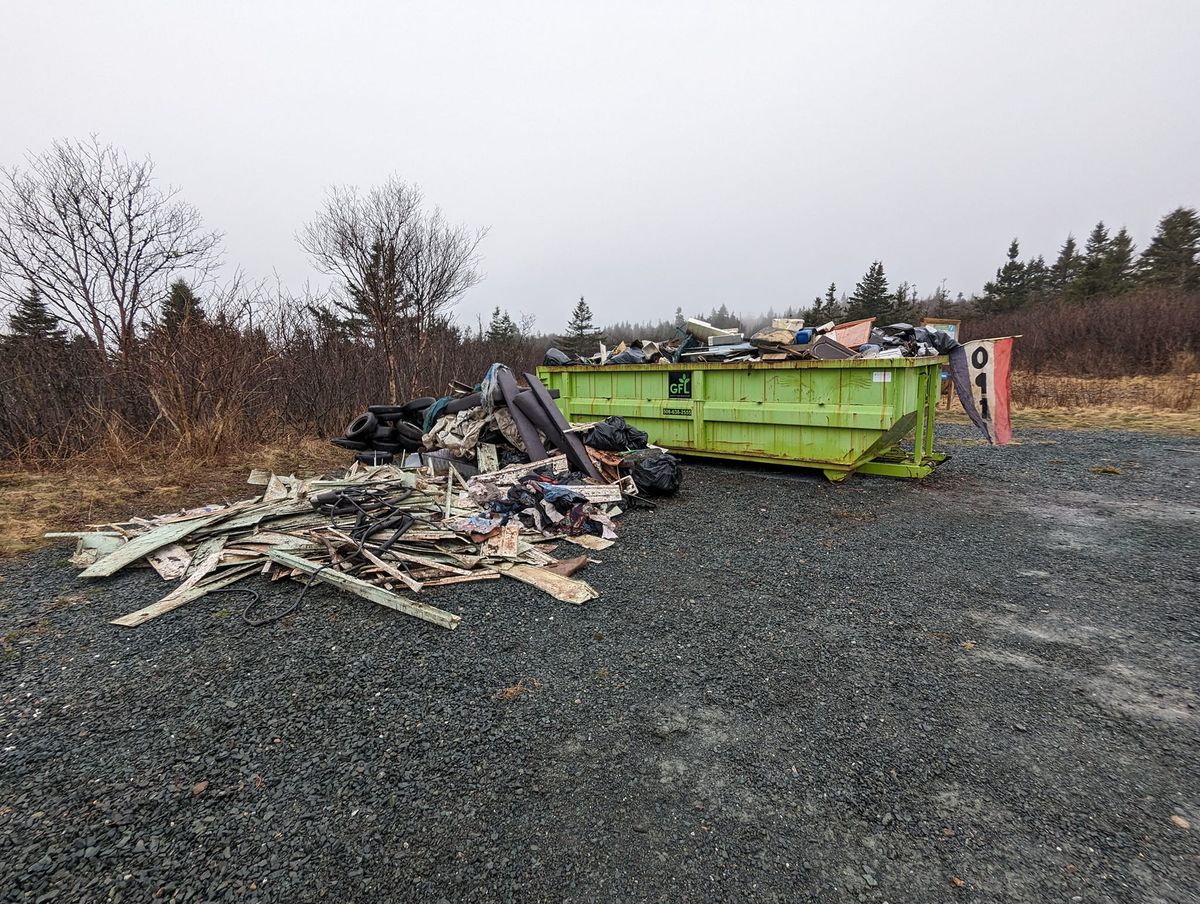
(646, 155)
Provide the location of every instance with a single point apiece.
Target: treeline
(1104, 309)
(119, 333)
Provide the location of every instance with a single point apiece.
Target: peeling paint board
(367, 590)
(589, 541)
(569, 590)
(598, 492)
(171, 562)
(488, 457)
(146, 544)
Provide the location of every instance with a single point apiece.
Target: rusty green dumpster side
(840, 416)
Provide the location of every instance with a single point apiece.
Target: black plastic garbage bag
(657, 474)
(614, 435)
(942, 341)
(556, 358)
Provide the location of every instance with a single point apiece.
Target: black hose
(256, 598)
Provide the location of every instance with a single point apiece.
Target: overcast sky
(645, 155)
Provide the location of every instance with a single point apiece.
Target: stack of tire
(383, 430)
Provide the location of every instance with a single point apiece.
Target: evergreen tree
(180, 307)
(1172, 259)
(1118, 263)
(904, 303)
(680, 320)
(1093, 275)
(33, 322)
(870, 297)
(825, 308)
(502, 328)
(329, 325)
(1066, 268)
(1037, 279)
(1009, 290)
(582, 337)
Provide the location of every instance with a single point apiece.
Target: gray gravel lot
(980, 687)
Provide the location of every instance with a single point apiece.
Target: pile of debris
(787, 339)
(498, 423)
(383, 531)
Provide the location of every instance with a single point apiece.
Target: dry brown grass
(1167, 403)
(114, 482)
(513, 691)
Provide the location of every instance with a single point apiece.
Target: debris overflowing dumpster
(842, 416)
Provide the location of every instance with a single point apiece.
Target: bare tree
(444, 265)
(401, 268)
(98, 238)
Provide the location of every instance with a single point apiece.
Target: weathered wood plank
(367, 590)
(569, 590)
(146, 544)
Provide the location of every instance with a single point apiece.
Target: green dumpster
(839, 416)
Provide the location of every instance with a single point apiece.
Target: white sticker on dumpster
(881, 376)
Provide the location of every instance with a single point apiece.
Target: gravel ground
(980, 687)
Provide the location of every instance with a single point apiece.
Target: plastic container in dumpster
(839, 416)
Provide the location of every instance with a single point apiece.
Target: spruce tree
(581, 338)
(1172, 259)
(825, 308)
(181, 306)
(1066, 268)
(1119, 263)
(502, 328)
(680, 320)
(870, 297)
(1010, 289)
(1093, 275)
(1037, 279)
(33, 322)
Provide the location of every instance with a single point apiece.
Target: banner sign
(981, 378)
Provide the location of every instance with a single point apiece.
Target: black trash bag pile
(912, 341)
(383, 430)
(613, 434)
(654, 472)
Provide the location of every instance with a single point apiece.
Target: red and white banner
(981, 379)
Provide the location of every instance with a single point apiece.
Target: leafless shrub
(1152, 331)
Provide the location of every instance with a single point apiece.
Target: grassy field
(72, 494)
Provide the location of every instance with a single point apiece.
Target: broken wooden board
(463, 579)
(598, 492)
(366, 590)
(589, 541)
(93, 547)
(505, 543)
(488, 457)
(569, 590)
(145, 544)
(199, 582)
(170, 562)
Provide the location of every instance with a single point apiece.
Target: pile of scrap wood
(382, 533)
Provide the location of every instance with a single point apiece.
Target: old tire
(362, 426)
